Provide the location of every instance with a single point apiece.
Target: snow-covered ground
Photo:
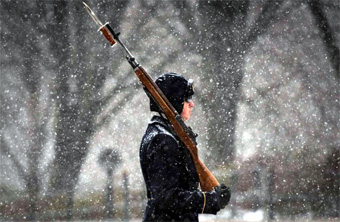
(206, 219)
(255, 216)
(225, 215)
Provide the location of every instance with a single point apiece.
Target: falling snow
(267, 101)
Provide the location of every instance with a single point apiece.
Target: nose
(191, 104)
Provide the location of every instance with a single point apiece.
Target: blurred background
(73, 113)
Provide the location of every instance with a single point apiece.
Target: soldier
(168, 169)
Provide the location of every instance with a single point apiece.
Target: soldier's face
(187, 109)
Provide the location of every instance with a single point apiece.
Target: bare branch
(271, 13)
(113, 111)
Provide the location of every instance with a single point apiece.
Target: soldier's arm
(164, 175)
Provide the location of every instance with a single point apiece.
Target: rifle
(207, 180)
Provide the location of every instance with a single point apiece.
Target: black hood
(176, 88)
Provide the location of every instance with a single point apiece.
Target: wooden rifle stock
(207, 181)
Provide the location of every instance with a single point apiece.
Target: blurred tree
(288, 112)
(56, 81)
(78, 92)
(224, 32)
(29, 99)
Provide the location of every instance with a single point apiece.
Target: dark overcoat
(170, 177)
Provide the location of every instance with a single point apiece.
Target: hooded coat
(171, 178)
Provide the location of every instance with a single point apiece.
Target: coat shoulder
(162, 137)
(157, 131)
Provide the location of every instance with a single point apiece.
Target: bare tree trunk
(227, 37)
(32, 82)
(77, 101)
(33, 159)
(224, 62)
(62, 174)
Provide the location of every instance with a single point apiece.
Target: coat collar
(158, 119)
